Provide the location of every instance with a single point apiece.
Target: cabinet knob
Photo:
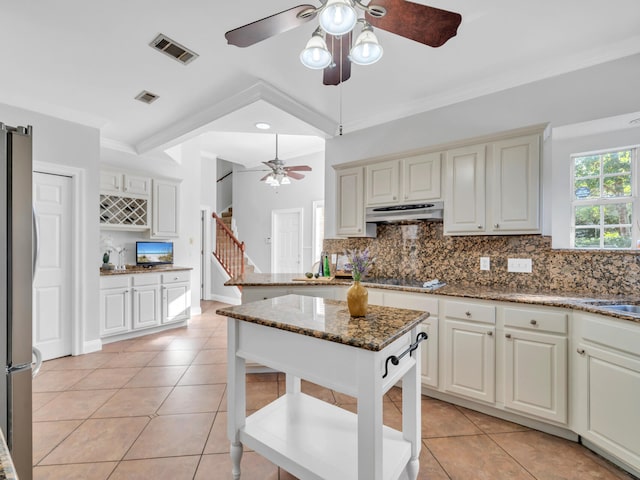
(175, 278)
(496, 225)
(406, 197)
(507, 335)
(580, 351)
(359, 230)
(479, 227)
(490, 333)
(395, 198)
(468, 314)
(533, 322)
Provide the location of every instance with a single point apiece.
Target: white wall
(253, 202)
(601, 91)
(59, 142)
(224, 188)
(562, 188)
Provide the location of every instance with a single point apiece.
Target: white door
(52, 284)
(286, 243)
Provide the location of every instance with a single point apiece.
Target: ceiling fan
(331, 43)
(281, 175)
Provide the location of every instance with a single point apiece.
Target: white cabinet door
(350, 203)
(516, 185)
(110, 182)
(146, 306)
(166, 209)
(382, 183)
(465, 190)
(469, 359)
(535, 369)
(176, 302)
(421, 177)
(429, 353)
(136, 185)
(115, 311)
(610, 389)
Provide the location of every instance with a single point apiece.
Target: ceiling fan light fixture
(316, 55)
(285, 180)
(367, 49)
(338, 17)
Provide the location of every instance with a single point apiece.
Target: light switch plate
(520, 265)
(485, 263)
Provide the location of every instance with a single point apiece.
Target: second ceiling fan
(280, 175)
(330, 47)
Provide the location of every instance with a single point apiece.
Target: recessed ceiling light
(263, 126)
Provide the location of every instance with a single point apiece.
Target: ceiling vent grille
(164, 44)
(147, 97)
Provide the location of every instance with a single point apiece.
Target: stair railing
(229, 250)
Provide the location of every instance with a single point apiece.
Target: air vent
(147, 97)
(164, 44)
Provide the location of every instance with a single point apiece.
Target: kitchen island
(316, 339)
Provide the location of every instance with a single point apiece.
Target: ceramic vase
(357, 300)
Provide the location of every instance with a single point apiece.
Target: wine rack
(123, 212)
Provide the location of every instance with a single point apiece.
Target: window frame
(634, 198)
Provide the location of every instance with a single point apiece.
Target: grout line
(424, 445)
(509, 455)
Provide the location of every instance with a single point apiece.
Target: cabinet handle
(406, 197)
(479, 227)
(468, 314)
(507, 335)
(490, 333)
(533, 322)
(580, 351)
(497, 225)
(175, 278)
(394, 198)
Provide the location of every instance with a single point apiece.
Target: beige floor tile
(157, 377)
(217, 340)
(131, 359)
(40, 399)
(173, 357)
(80, 362)
(172, 436)
(176, 468)
(97, 440)
(187, 343)
(252, 467)
(58, 380)
(133, 402)
(258, 394)
(47, 436)
(489, 424)
(546, 456)
(217, 355)
(218, 441)
(196, 331)
(84, 471)
(475, 457)
(441, 419)
(430, 469)
(204, 375)
(193, 399)
(312, 389)
(116, 347)
(73, 405)
(264, 377)
(145, 344)
(106, 378)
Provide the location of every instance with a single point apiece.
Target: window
(604, 206)
(318, 229)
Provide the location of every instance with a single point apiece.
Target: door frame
(206, 247)
(274, 213)
(78, 242)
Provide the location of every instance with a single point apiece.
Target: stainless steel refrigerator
(18, 247)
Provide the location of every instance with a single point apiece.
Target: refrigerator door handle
(36, 243)
(38, 355)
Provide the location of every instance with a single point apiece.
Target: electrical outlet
(485, 263)
(521, 265)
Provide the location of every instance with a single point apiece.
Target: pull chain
(340, 86)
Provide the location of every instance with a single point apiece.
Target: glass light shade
(366, 50)
(338, 17)
(285, 181)
(316, 55)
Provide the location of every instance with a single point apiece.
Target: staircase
(229, 250)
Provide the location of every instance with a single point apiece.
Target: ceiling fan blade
(339, 48)
(429, 25)
(265, 177)
(294, 175)
(300, 168)
(264, 28)
(270, 165)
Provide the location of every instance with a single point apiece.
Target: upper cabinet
(493, 188)
(350, 203)
(407, 180)
(123, 184)
(166, 209)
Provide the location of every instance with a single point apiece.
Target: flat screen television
(149, 254)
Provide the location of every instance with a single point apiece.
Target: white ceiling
(86, 61)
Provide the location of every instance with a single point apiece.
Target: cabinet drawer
(470, 311)
(115, 281)
(176, 277)
(412, 301)
(146, 279)
(533, 319)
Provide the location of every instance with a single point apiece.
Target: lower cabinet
(134, 302)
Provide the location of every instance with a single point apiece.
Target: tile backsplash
(421, 252)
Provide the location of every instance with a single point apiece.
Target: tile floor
(155, 408)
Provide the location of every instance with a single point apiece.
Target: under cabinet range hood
(405, 213)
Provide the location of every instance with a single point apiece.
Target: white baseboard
(196, 311)
(91, 346)
(229, 300)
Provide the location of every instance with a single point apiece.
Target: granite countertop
(329, 320)
(135, 269)
(576, 301)
(7, 470)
